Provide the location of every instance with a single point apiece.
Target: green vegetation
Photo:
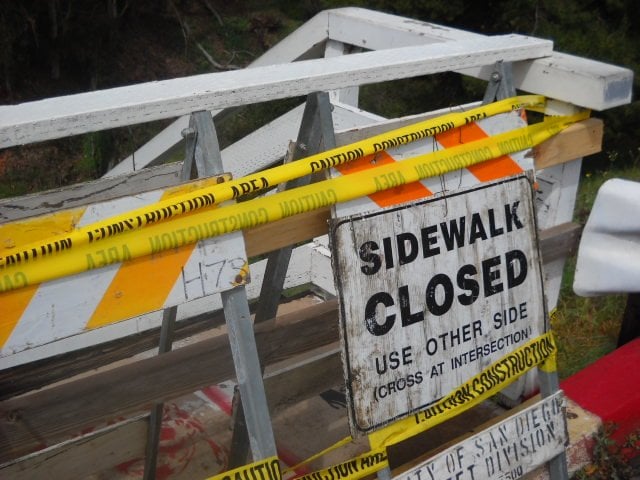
(611, 461)
(587, 328)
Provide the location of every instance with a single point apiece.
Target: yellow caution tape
(268, 469)
(21, 270)
(333, 447)
(206, 197)
(353, 469)
(540, 352)
(479, 388)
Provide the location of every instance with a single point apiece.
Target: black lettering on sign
(393, 360)
(370, 308)
(439, 294)
(406, 247)
(429, 236)
(516, 268)
(491, 276)
(406, 316)
(397, 385)
(510, 315)
(366, 254)
(440, 291)
(465, 281)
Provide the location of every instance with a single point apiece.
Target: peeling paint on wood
(505, 451)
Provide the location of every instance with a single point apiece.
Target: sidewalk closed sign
(433, 292)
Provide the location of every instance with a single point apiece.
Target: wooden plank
(299, 228)
(303, 380)
(122, 442)
(271, 236)
(40, 373)
(580, 81)
(534, 436)
(303, 227)
(600, 85)
(12, 209)
(293, 229)
(559, 241)
(578, 140)
(427, 444)
(79, 458)
(304, 43)
(569, 78)
(29, 420)
(347, 96)
(86, 112)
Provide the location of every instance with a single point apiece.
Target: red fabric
(610, 388)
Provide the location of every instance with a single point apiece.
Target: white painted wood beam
(347, 95)
(92, 111)
(376, 30)
(577, 80)
(305, 42)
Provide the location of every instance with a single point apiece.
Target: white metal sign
(506, 451)
(433, 292)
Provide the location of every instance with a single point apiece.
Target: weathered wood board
(505, 451)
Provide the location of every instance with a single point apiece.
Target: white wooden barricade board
(73, 305)
(432, 293)
(505, 451)
(491, 170)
